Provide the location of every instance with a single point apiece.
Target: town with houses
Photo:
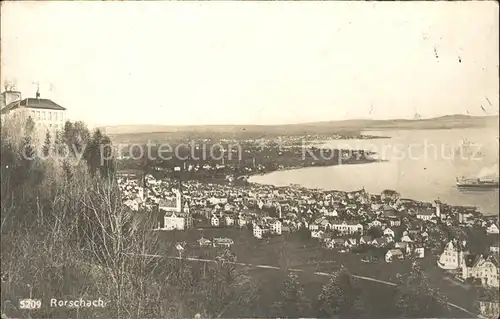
(464, 242)
(213, 230)
(343, 221)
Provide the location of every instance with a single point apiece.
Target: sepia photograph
(249, 159)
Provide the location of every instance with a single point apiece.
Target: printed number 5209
(30, 303)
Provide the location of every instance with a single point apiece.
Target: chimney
(9, 97)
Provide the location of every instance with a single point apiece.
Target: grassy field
(293, 252)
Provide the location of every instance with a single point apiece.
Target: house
(222, 242)
(425, 214)
(419, 252)
(347, 227)
(229, 220)
(317, 234)
(393, 254)
(451, 258)
(203, 242)
(47, 115)
(489, 309)
(403, 246)
(389, 232)
(313, 226)
(406, 239)
(177, 221)
(267, 226)
(331, 213)
(217, 201)
(482, 267)
(492, 229)
(258, 231)
(242, 221)
(395, 222)
(463, 218)
(177, 213)
(324, 224)
(375, 223)
(215, 221)
(276, 226)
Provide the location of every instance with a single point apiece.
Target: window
(50, 116)
(37, 115)
(43, 115)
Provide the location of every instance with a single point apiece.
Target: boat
(477, 183)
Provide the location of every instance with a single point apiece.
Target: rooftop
(33, 103)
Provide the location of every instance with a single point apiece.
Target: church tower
(437, 203)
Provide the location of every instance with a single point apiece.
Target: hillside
(445, 122)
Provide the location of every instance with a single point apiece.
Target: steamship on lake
(477, 183)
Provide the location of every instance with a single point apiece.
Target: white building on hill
(46, 114)
(451, 258)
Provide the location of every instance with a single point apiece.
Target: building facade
(47, 115)
(176, 213)
(451, 258)
(484, 268)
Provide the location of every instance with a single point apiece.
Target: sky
(194, 63)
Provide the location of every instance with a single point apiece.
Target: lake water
(420, 164)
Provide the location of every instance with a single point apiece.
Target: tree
(212, 290)
(375, 232)
(250, 226)
(415, 297)
(76, 136)
(342, 297)
(293, 301)
(107, 167)
(389, 195)
(24, 170)
(46, 145)
(100, 247)
(29, 127)
(67, 170)
(98, 155)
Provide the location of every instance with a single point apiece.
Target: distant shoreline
(456, 121)
(300, 186)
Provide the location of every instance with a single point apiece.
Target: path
(301, 270)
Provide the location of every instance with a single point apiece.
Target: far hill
(355, 125)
